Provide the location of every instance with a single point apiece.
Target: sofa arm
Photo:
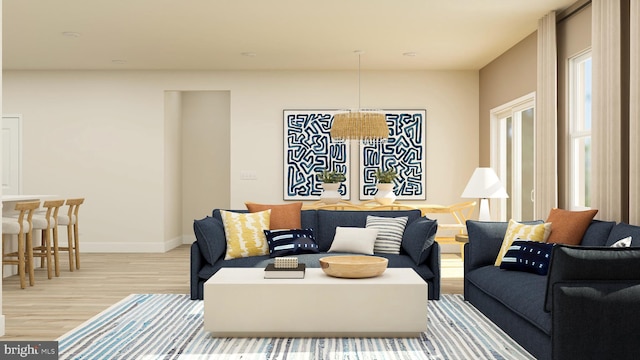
(197, 262)
(596, 264)
(433, 262)
(595, 320)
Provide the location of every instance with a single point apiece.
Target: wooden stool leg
(47, 239)
(70, 244)
(30, 262)
(42, 248)
(76, 247)
(21, 262)
(55, 251)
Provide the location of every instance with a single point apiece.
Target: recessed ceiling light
(119, 61)
(248, 54)
(71, 34)
(410, 54)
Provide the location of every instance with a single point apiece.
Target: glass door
(512, 149)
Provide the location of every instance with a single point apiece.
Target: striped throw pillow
(390, 232)
(285, 242)
(529, 256)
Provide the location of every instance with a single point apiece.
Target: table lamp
(484, 184)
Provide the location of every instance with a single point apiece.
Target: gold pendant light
(368, 126)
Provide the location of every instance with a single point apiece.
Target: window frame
(577, 186)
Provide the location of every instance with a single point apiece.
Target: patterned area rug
(170, 326)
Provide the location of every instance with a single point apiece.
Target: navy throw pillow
(529, 256)
(418, 238)
(291, 242)
(210, 238)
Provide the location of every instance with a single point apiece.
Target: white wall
(102, 135)
(173, 167)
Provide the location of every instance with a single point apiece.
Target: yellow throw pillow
(516, 230)
(245, 233)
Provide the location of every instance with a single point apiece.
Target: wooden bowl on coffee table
(353, 266)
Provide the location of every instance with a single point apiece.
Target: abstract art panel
(404, 151)
(307, 150)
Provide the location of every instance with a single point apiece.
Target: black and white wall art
(404, 151)
(308, 149)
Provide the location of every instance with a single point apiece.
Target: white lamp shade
(484, 184)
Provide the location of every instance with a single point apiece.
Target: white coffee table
(239, 302)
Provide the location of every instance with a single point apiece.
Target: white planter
(385, 194)
(330, 194)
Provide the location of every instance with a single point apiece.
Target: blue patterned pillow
(529, 256)
(291, 242)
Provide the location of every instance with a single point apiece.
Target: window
(580, 130)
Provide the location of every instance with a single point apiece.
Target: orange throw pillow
(283, 216)
(568, 227)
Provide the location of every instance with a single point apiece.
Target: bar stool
(70, 221)
(20, 226)
(48, 224)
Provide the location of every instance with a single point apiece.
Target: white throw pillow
(626, 242)
(354, 240)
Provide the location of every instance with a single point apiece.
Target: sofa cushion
(245, 233)
(528, 256)
(597, 233)
(521, 292)
(286, 242)
(390, 232)
(418, 239)
(354, 240)
(309, 220)
(283, 216)
(592, 264)
(328, 220)
(621, 231)
(568, 227)
(516, 230)
(210, 238)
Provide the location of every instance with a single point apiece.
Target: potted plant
(385, 194)
(331, 181)
(330, 177)
(386, 176)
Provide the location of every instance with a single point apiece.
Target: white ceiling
(283, 34)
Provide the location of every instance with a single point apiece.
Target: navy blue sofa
(586, 307)
(419, 250)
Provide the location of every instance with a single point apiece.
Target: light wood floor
(53, 307)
